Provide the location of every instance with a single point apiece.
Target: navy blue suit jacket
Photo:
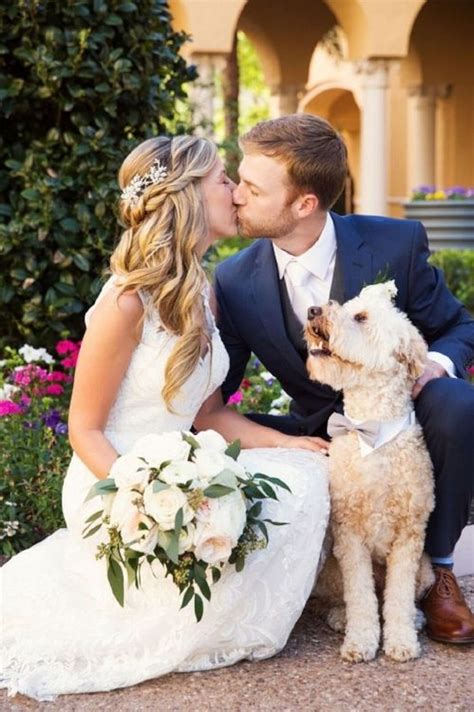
(250, 315)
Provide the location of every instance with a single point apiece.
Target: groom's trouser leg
(445, 410)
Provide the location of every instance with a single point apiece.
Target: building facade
(394, 76)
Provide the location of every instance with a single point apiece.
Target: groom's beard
(272, 227)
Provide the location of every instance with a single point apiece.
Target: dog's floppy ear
(413, 353)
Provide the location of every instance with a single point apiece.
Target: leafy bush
(34, 450)
(80, 84)
(458, 268)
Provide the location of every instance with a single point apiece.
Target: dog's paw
(357, 650)
(402, 647)
(336, 619)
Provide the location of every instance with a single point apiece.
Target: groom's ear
(306, 204)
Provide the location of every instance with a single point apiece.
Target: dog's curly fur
(381, 502)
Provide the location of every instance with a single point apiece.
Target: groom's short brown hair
(311, 149)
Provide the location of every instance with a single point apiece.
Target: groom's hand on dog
(432, 370)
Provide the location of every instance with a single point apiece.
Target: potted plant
(448, 215)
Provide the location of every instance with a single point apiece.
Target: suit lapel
(354, 262)
(267, 303)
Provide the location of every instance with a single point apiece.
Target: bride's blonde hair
(165, 223)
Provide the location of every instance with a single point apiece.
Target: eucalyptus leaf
(233, 449)
(216, 491)
(198, 607)
(115, 578)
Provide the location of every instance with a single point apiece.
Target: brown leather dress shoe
(448, 617)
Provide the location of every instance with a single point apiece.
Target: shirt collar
(318, 258)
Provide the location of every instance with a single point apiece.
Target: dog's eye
(361, 316)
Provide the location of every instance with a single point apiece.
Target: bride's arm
(214, 415)
(106, 350)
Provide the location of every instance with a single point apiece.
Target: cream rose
(149, 539)
(214, 549)
(186, 538)
(221, 522)
(165, 447)
(130, 471)
(164, 505)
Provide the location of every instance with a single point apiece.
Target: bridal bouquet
(185, 501)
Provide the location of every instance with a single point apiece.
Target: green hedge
(458, 268)
(80, 84)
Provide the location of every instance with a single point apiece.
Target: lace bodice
(139, 407)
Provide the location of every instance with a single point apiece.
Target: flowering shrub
(34, 450)
(260, 392)
(429, 192)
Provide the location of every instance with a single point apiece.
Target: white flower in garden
(164, 505)
(178, 473)
(267, 377)
(31, 354)
(7, 391)
(209, 439)
(160, 448)
(220, 524)
(281, 401)
(130, 471)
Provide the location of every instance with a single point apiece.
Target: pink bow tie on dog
(340, 425)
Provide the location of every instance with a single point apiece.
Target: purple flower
(51, 419)
(61, 429)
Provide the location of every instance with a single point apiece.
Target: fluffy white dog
(380, 471)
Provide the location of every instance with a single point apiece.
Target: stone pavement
(307, 676)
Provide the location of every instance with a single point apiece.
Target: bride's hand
(305, 442)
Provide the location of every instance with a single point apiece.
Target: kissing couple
(163, 351)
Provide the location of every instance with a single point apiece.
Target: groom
(292, 172)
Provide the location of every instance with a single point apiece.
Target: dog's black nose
(314, 311)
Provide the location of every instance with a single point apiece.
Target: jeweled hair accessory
(157, 174)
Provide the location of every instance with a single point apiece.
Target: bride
(152, 361)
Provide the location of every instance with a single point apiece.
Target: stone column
(421, 136)
(285, 99)
(202, 94)
(373, 151)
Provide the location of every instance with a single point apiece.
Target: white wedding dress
(62, 630)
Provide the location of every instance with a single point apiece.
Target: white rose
(125, 513)
(221, 522)
(178, 473)
(209, 464)
(149, 539)
(160, 448)
(186, 538)
(164, 505)
(214, 549)
(209, 439)
(130, 471)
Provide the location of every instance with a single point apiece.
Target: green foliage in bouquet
(81, 83)
(458, 268)
(192, 540)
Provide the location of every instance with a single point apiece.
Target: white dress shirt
(308, 279)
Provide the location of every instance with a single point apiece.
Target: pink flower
(24, 375)
(25, 401)
(66, 347)
(8, 407)
(235, 398)
(70, 361)
(470, 370)
(54, 389)
(56, 376)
